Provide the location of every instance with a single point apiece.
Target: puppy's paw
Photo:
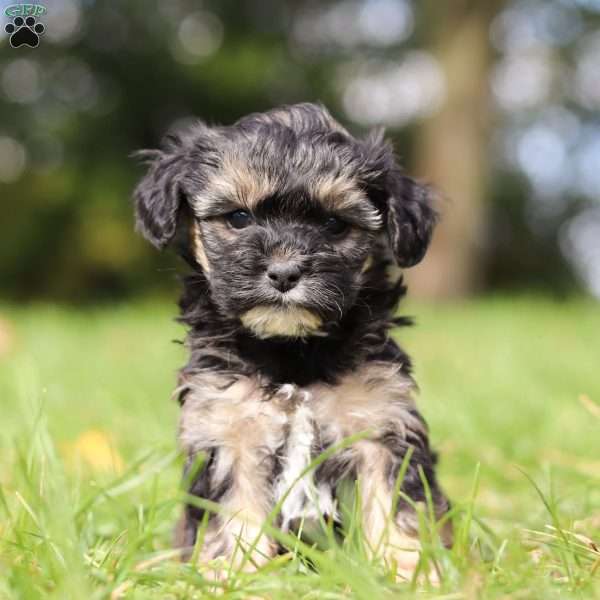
(403, 565)
(401, 555)
(241, 549)
(215, 570)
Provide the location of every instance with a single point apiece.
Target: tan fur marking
(217, 416)
(337, 192)
(366, 400)
(267, 321)
(331, 188)
(242, 184)
(198, 247)
(341, 193)
(384, 535)
(235, 181)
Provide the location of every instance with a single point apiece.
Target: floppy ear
(157, 197)
(411, 217)
(406, 204)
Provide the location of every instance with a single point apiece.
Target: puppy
(294, 231)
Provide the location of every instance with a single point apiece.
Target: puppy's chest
(216, 412)
(277, 436)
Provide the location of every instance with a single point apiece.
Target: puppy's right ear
(158, 196)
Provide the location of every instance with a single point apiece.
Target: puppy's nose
(284, 276)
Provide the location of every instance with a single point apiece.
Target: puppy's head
(285, 213)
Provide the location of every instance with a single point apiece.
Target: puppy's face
(285, 212)
(286, 258)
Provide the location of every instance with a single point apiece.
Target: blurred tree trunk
(451, 147)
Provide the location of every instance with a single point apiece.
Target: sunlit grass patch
(90, 476)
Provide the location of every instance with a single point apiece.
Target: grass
(89, 475)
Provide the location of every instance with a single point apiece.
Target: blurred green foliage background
(493, 102)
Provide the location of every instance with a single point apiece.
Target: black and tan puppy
(294, 231)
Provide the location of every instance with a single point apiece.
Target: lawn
(89, 473)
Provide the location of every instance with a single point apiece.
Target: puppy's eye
(335, 227)
(239, 219)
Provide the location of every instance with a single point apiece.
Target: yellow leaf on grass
(95, 448)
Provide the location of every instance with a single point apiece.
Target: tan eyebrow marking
(244, 185)
(342, 195)
(233, 185)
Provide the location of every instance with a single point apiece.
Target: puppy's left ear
(410, 217)
(407, 205)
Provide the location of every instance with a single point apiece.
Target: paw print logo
(24, 32)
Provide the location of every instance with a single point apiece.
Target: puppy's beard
(288, 321)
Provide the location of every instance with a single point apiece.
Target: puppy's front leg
(377, 400)
(235, 533)
(241, 435)
(383, 531)
(240, 482)
(391, 529)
